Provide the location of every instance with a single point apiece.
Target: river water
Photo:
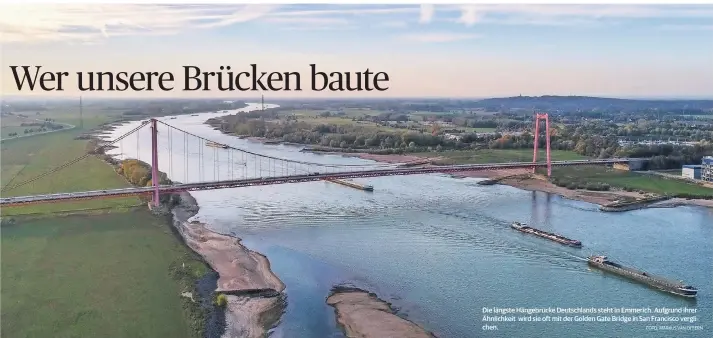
(440, 249)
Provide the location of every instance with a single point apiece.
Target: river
(440, 249)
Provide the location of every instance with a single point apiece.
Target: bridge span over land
(263, 169)
(288, 179)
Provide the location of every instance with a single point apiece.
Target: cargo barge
(547, 235)
(678, 288)
(364, 187)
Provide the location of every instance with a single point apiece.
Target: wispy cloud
(25, 23)
(570, 14)
(394, 24)
(687, 27)
(306, 23)
(469, 16)
(88, 22)
(351, 11)
(438, 37)
(427, 12)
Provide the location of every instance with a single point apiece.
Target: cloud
(394, 24)
(91, 23)
(426, 13)
(63, 22)
(248, 13)
(687, 27)
(353, 11)
(439, 37)
(307, 23)
(24, 23)
(469, 16)
(571, 14)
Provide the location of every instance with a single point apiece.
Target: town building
(707, 169)
(692, 171)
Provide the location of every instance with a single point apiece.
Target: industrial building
(692, 171)
(707, 169)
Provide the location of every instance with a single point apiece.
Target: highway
(20, 200)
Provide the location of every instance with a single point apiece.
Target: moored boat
(216, 145)
(547, 235)
(674, 287)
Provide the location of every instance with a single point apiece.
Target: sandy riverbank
(523, 179)
(518, 178)
(254, 292)
(397, 158)
(676, 202)
(362, 314)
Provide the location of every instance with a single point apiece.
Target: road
(11, 201)
(67, 126)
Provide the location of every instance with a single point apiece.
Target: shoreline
(357, 310)
(255, 294)
(607, 201)
(525, 180)
(517, 178)
(255, 298)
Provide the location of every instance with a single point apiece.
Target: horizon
(331, 98)
(644, 52)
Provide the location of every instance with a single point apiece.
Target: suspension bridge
(232, 167)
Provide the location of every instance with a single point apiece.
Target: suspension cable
(278, 158)
(67, 164)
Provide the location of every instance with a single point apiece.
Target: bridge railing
(295, 178)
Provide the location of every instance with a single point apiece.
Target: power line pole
(81, 118)
(262, 101)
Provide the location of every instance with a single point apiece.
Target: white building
(691, 171)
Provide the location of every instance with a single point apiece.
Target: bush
(597, 187)
(221, 300)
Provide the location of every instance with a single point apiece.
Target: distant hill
(586, 103)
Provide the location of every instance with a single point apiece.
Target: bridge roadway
(20, 200)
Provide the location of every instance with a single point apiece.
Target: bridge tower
(154, 162)
(545, 117)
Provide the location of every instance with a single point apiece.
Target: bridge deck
(21, 200)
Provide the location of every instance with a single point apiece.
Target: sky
(457, 51)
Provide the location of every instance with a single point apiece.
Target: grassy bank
(579, 177)
(23, 159)
(109, 270)
(498, 156)
(631, 181)
(105, 275)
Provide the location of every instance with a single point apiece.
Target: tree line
(593, 139)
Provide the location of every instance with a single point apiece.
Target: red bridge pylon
(545, 117)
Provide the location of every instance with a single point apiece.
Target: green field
(630, 180)
(26, 158)
(312, 117)
(12, 124)
(93, 276)
(498, 156)
(477, 130)
(106, 272)
(348, 113)
(583, 174)
(670, 171)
